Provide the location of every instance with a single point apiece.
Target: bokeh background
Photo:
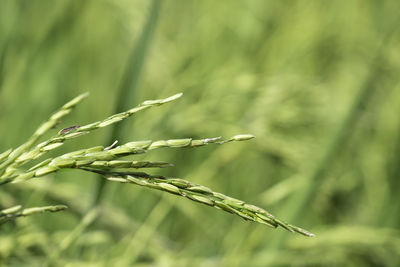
(316, 81)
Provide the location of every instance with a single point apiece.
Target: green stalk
(17, 211)
(86, 221)
(130, 80)
(299, 202)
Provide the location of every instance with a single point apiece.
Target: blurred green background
(315, 81)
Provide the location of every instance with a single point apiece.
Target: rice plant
(317, 83)
(108, 162)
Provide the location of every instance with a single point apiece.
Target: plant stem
(298, 203)
(130, 80)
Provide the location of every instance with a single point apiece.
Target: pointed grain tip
(307, 233)
(243, 137)
(84, 95)
(172, 98)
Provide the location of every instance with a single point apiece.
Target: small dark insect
(68, 129)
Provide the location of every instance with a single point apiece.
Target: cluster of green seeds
(108, 162)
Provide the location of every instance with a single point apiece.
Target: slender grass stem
(299, 201)
(130, 79)
(17, 211)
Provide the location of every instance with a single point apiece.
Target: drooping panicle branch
(202, 194)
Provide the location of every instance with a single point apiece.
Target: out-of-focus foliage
(315, 81)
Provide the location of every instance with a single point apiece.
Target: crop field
(199, 133)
